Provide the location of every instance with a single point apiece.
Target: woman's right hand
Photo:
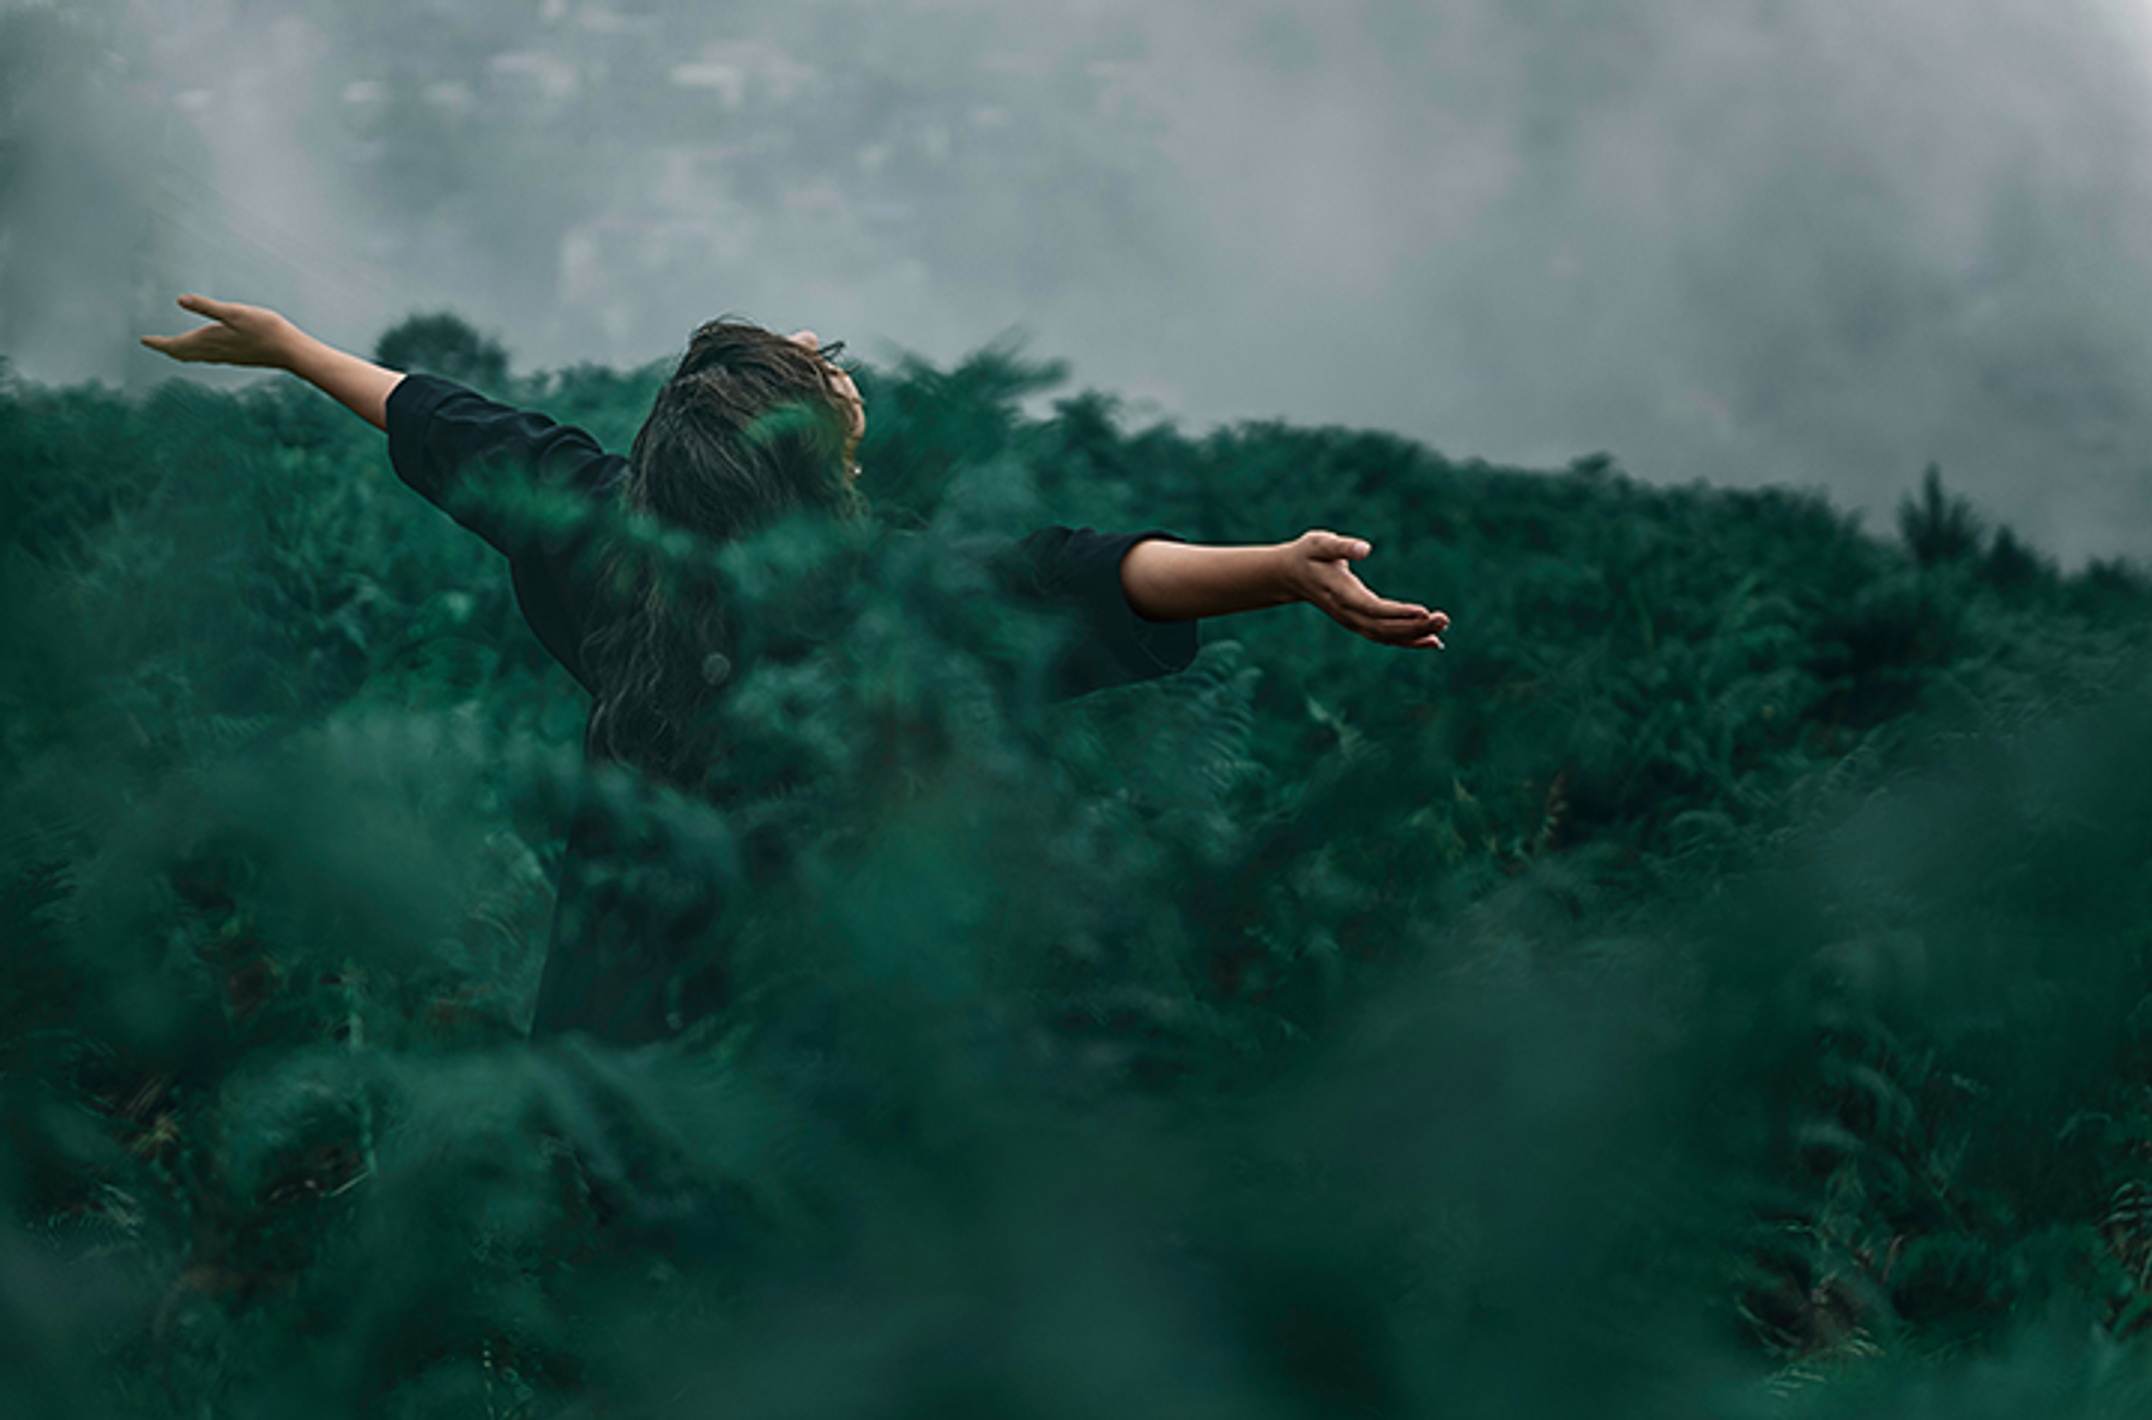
(1319, 571)
(236, 335)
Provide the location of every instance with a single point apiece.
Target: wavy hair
(750, 427)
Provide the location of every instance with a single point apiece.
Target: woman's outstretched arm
(1179, 581)
(258, 336)
(470, 456)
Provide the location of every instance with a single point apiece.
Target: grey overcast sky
(1817, 242)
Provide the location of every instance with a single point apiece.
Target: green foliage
(1715, 986)
(1937, 527)
(442, 343)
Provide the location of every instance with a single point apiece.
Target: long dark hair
(750, 427)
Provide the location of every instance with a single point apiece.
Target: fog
(1750, 241)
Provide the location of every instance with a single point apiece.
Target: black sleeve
(1079, 570)
(448, 442)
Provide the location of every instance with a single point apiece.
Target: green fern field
(1719, 985)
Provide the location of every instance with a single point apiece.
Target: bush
(443, 344)
(1938, 528)
(1714, 986)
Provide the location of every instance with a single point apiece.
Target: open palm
(236, 335)
(1324, 577)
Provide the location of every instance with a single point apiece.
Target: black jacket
(639, 964)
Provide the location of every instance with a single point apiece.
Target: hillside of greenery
(1719, 985)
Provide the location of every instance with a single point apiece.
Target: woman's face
(847, 394)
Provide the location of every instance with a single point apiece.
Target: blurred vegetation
(443, 343)
(1716, 986)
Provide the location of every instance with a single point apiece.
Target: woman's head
(752, 425)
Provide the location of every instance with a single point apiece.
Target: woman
(752, 425)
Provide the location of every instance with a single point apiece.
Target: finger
(1359, 601)
(203, 306)
(1392, 632)
(1334, 547)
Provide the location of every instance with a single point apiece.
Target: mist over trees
(1798, 243)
